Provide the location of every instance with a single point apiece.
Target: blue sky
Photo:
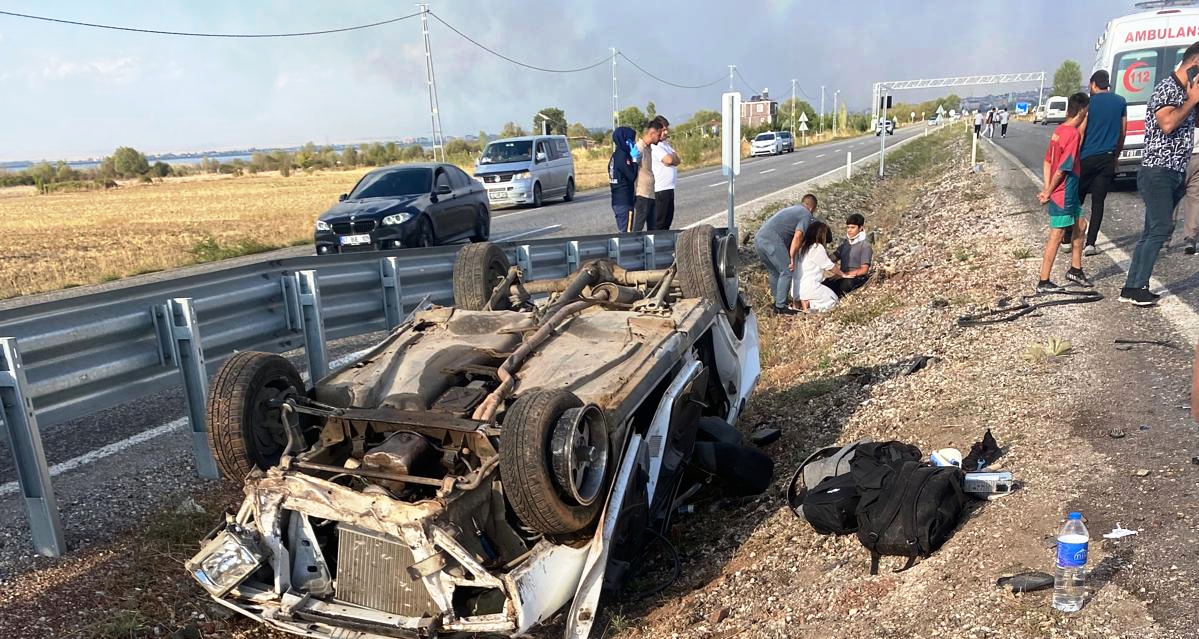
(73, 92)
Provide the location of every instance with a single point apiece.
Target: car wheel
(424, 233)
(482, 225)
(537, 195)
(539, 430)
(570, 190)
(245, 427)
(478, 270)
(707, 265)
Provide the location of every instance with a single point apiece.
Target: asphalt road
(113, 464)
(1123, 221)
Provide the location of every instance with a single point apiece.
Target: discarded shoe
(1026, 582)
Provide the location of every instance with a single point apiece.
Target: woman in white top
(813, 265)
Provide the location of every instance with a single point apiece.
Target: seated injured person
(812, 265)
(853, 257)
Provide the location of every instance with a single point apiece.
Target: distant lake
(91, 164)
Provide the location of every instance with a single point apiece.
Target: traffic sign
(803, 118)
(803, 126)
(730, 133)
(940, 110)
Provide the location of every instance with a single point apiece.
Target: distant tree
(651, 110)
(161, 169)
(42, 172)
(129, 162)
(556, 124)
(791, 110)
(107, 169)
(1067, 79)
(349, 156)
(513, 130)
(482, 139)
(63, 172)
(577, 130)
(458, 146)
(632, 117)
(414, 152)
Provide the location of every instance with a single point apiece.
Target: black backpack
(831, 507)
(906, 508)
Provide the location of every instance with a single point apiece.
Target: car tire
(570, 190)
(526, 465)
(478, 270)
(244, 431)
(424, 236)
(537, 195)
(482, 225)
(700, 273)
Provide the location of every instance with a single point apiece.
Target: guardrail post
(572, 256)
(393, 298)
(524, 261)
(188, 353)
(312, 323)
(33, 476)
(614, 249)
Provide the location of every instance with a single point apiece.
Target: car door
(442, 210)
(465, 206)
(545, 171)
(564, 164)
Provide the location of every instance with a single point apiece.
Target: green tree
(107, 169)
(414, 152)
(577, 130)
(556, 125)
(129, 162)
(512, 130)
(349, 156)
(651, 110)
(1067, 79)
(161, 169)
(632, 117)
(791, 110)
(482, 139)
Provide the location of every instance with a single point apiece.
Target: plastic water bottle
(1069, 580)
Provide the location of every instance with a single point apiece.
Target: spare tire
(707, 265)
(532, 471)
(245, 428)
(478, 270)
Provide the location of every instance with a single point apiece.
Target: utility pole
(434, 113)
(732, 68)
(792, 108)
(821, 109)
(615, 101)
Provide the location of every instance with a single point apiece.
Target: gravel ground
(1100, 430)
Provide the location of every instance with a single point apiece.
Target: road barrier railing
(66, 359)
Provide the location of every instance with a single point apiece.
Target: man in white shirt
(978, 122)
(665, 165)
(1003, 117)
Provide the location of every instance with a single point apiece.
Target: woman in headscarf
(622, 176)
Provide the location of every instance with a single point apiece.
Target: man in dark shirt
(1169, 131)
(622, 176)
(853, 257)
(1102, 142)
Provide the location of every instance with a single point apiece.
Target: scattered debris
(718, 615)
(1144, 427)
(188, 506)
(1053, 347)
(1195, 460)
(1127, 344)
(939, 303)
(1119, 532)
(765, 436)
(1026, 582)
(190, 631)
(983, 453)
(1116, 433)
(918, 363)
(1142, 472)
(1008, 313)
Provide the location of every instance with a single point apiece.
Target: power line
(191, 34)
(744, 81)
(663, 81)
(517, 62)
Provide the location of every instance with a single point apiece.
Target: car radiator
(372, 572)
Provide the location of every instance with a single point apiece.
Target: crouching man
(853, 257)
(774, 244)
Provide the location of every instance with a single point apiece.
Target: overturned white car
(490, 463)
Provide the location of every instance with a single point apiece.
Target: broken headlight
(226, 561)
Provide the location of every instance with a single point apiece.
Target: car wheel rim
(267, 432)
(425, 238)
(581, 462)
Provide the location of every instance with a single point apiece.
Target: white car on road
(769, 143)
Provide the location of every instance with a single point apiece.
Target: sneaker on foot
(1077, 276)
(783, 310)
(1047, 286)
(1188, 245)
(1137, 296)
(1150, 293)
(1090, 250)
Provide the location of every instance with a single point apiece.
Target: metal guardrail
(70, 358)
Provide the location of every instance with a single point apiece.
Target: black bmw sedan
(408, 205)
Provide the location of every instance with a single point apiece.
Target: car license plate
(497, 195)
(354, 240)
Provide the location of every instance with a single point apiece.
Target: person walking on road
(622, 177)
(1103, 140)
(978, 122)
(643, 206)
(776, 244)
(990, 130)
(1169, 131)
(1003, 117)
(666, 163)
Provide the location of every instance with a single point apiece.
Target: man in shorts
(1060, 196)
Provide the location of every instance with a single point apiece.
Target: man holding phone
(1169, 140)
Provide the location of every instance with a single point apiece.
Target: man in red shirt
(1060, 196)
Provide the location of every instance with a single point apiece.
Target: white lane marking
(799, 162)
(718, 183)
(841, 169)
(766, 171)
(145, 436)
(1183, 317)
(820, 156)
(505, 238)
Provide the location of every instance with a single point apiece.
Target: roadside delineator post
(187, 352)
(848, 164)
(33, 476)
(974, 153)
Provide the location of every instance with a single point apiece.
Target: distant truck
(1138, 50)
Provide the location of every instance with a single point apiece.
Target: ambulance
(1138, 50)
